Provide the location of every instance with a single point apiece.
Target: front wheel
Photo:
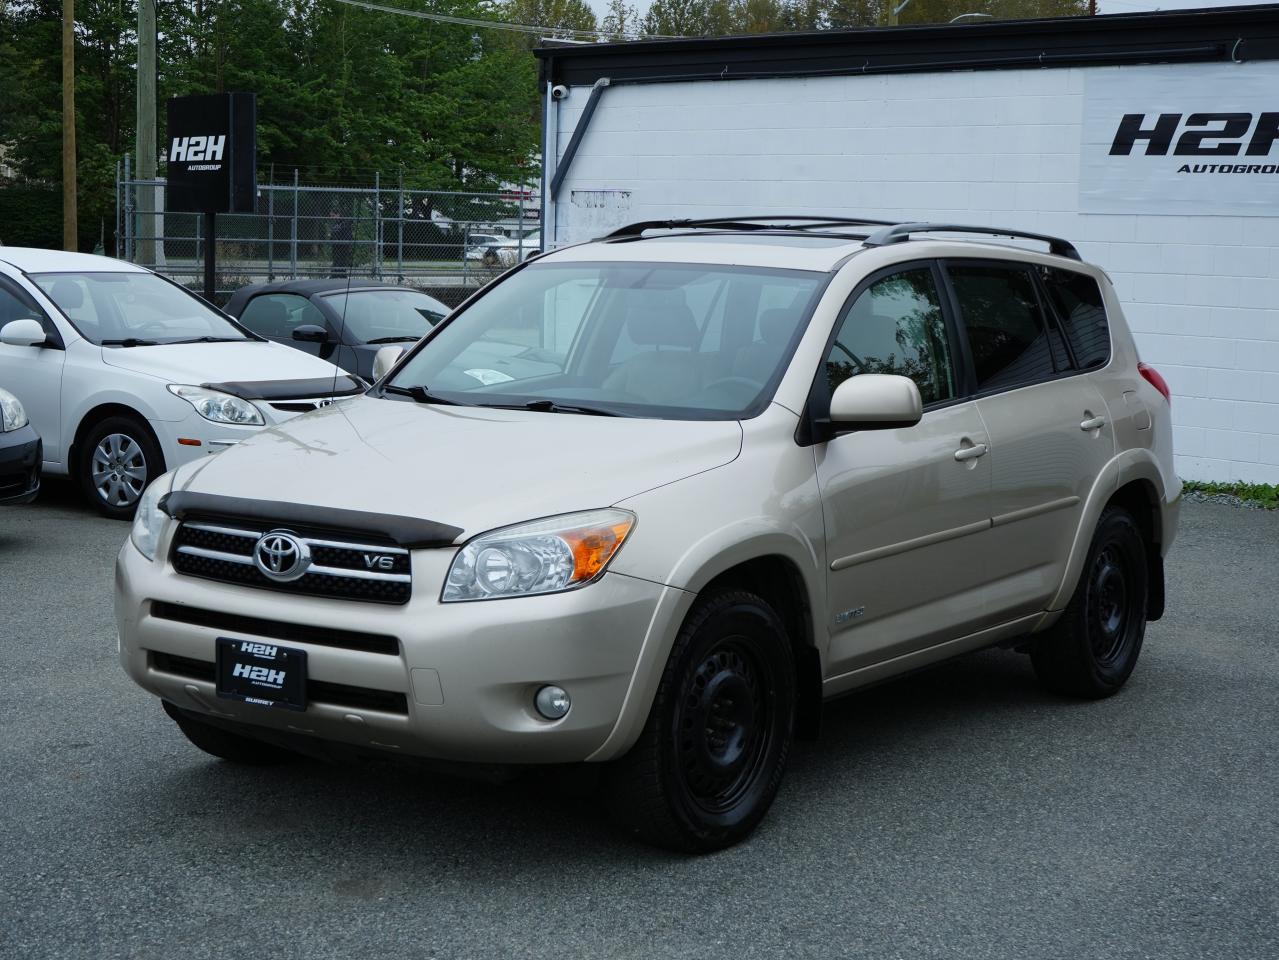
(119, 458)
(1091, 651)
(711, 756)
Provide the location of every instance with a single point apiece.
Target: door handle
(970, 453)
(1093, 423)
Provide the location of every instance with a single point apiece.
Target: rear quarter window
(1077, 299)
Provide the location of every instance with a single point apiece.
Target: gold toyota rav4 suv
(646, 502)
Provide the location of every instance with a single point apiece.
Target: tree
(621, 21)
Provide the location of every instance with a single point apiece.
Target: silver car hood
(471, 467)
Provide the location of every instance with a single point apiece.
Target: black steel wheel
(711, 757)
(1092, 650)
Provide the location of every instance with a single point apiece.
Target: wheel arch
(776, 579)
(94, 416)
(1134, 481)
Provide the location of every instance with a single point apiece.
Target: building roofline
(1238, 33)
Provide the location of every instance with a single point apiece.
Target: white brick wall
(1201, 292)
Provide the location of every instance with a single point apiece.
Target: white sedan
(125, 374)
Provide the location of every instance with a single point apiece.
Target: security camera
(559, 92)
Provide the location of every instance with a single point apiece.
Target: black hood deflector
(412, 533)
(342, 386)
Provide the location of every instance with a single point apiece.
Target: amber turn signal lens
(592, 547)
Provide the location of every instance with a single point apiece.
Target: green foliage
(344, 92)
(1266, 494)
(30, 215)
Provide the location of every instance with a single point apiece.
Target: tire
(117, 460)
(710, 758)
(1091, 651)
(226, 745)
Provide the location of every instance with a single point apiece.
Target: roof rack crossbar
(633, 230)
(901, 232)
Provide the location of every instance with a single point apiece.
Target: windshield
(134, 308)
(674, 341)
(373, 316)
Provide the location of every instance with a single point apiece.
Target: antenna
(348, 263)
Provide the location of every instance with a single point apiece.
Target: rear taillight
(1153, 378)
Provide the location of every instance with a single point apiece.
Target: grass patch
(1266, 494)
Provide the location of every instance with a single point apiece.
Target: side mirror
(311, 333)
(23, 333)
(384, 360)
(875, 401)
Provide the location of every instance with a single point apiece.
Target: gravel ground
(957, 813)
(1223, 499)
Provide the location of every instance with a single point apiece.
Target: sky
(1103, 6)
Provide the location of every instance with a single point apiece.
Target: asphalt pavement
(957, 813)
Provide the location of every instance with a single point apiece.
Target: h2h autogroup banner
(1197, 140)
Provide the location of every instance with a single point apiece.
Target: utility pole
(146, 195)
(70, 227)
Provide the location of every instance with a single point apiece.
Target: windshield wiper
(207, 339)
(131, 342)
(422, 395)
(401, 339)
(554, 406)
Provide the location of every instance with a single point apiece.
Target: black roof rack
(889, 232)
(635, 230)
(901, 232)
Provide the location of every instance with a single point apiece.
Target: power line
(526, 28)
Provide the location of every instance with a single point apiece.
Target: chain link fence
(446, 243)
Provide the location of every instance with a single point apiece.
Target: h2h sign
(212, 154)
(1197, 140)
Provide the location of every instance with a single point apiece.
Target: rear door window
(1006, 328)
(1082, 312)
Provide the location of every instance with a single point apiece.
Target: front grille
(340, 569)
(275, 629)
(300, 406)
(319, 691)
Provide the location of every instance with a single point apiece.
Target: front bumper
(465, 674)
(21, 453)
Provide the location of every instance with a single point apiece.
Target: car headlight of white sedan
(12, 415)
(219, 407)
(545, 556)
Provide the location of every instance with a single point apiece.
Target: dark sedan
(20, 453)
(345, 323)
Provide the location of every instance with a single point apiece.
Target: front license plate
(262, 673)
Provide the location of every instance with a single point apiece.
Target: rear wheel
(710, 759)
(116, 462)
(227, 745)
(1091, 651)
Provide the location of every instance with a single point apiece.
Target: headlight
(12, 416)
(544, 556)
(149, 520)
(218, 406)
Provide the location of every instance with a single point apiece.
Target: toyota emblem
(281, 556)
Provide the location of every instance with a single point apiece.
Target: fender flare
(1124, 468)
(704, 561)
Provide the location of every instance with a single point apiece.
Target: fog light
(552, 702)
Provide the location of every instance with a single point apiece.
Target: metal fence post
(377, 224)
(115, 237)
(270, 224)
(399, 220)
(128, 209)
(293, 232)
